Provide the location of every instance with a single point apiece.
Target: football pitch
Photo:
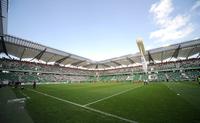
(173, 102)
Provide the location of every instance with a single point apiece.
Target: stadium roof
(24, 49)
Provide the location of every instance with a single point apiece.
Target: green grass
(85, 93)
(154, 103)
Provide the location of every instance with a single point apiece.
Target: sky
(103, 29)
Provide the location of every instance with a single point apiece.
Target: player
(146, 82)
(34, 85)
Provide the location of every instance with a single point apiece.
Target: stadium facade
(28, 61)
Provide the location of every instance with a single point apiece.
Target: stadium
(44, 84)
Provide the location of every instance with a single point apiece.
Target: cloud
(196, 5)
(169, 27)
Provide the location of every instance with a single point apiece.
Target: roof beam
(87, 65)
(22, 54)
(50, 58)
(130, 60)
(151, 60)
(176, 52)
(39, 55)
(62, 59)
(162, 57)
(97, 66)
(77, 63)
(118, 64)
(190, 52)
(106, 65)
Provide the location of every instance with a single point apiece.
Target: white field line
(119, 93)
(88, 108)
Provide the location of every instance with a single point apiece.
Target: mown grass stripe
(85, 107)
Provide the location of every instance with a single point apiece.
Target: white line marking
(16, 100)
(56, 98)
(88, 108)
(109, 97)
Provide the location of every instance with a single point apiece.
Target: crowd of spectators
(181, 64)
(39, 67)
(31, 71)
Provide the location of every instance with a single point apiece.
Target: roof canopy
(24, 49)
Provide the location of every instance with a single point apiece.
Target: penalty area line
(85, 107)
